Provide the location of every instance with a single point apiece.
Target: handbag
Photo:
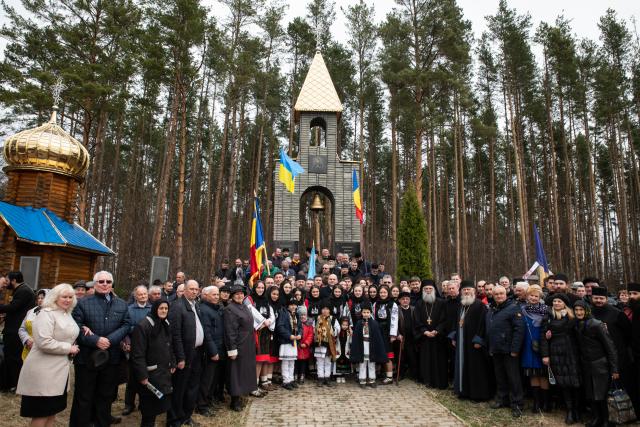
(552, 378)
(620, 405)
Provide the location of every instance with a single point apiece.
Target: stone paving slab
(349, 405)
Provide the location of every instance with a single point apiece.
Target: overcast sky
(584, 14)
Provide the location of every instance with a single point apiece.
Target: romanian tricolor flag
(258, 246)
(289, 169)
(356, 196)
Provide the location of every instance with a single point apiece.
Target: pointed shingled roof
(318, 92)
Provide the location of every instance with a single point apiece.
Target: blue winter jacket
(283, 327)
(137, 313)
(505, 328)
(109, 319)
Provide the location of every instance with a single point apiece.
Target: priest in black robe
(452, 307)
(472, 374)
(429, 326)
(409, 361)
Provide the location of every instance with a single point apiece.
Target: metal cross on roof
(318, 36)
(56, 90)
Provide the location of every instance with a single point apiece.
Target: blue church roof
(43, 227)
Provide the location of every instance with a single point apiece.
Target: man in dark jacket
(634, 304)
(188, 339)
(215, 353)
(619, 327)
(23, 300)
(505, 331)
(104, 322)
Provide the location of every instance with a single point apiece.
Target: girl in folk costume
(314, 303)
(355, 303)
(304, 349)
(342, 367)
(372, 292)
(289, 329)
(367, 347)
(263, 337)
(385, 312)
(339, 307)
(285, 293)
(273, 298)
(326, 331)
(299, 297)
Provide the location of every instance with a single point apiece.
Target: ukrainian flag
(289, 169)
(356, 196)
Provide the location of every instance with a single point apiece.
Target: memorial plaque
(317, 164)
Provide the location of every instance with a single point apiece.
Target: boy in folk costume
(289, 329)
(326, 331)
(367, 347)
(304, 347)
(342, 367)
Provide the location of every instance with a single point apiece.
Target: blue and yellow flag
(289, 169)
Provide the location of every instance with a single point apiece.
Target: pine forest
(184, 112)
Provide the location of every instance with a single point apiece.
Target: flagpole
(266, 253)
(362, 242)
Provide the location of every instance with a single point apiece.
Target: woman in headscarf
(385, 312)
(372, 292)
(241, 349)
(273, 297)
(535, 312)
(599, 361)
(314, 304)
(153, 362)
(355, 302)
(263, 336)
(337, 303)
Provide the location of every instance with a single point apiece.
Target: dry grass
(479, 414)
(10, 417)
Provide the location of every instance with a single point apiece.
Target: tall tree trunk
(165, 172)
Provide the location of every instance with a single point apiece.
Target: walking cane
(399, 361)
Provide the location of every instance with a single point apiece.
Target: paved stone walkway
(349, 405)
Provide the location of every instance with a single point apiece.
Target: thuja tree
(413, 243)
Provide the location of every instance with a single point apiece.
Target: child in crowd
(342, 367)
(289, 329)
(367, 347)
(304, 349)
(326, 331)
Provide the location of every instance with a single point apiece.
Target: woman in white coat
(45, 374)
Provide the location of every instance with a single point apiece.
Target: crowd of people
(182, 347)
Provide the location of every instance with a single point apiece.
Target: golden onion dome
(47, 148)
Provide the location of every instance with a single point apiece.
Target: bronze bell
(317, 203)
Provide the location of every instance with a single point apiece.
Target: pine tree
(413, 243)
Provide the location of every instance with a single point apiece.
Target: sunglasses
(105, 281)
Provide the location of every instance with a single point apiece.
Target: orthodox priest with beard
(472, 375)
(429, 326)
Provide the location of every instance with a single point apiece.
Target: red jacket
(307, 339)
